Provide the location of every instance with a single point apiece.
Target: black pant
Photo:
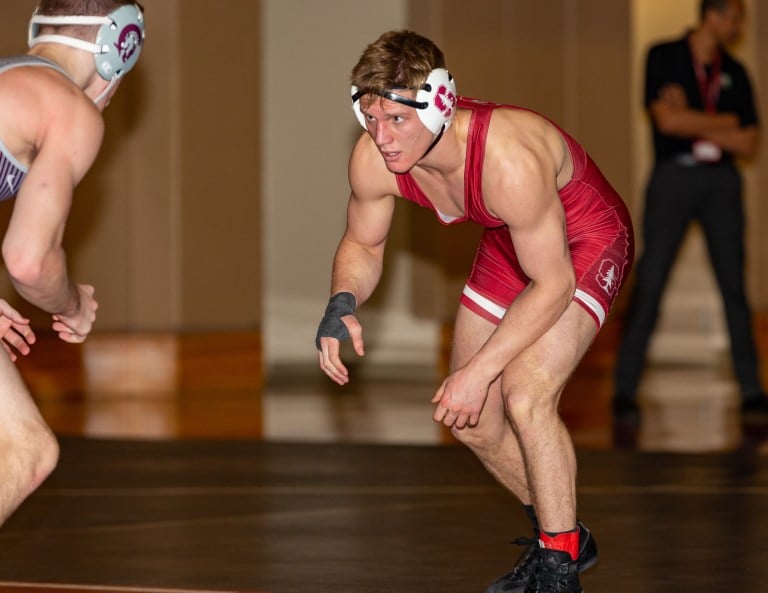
(677, 195)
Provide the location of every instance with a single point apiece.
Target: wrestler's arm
(67, 142)
(358, 262)
(521, 190)
(524, 195)
(359, 258)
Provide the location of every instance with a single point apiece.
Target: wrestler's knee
(481, 439)
(530, 396)
(35, 455)
(46, 457)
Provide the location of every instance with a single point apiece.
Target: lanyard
(709, 86)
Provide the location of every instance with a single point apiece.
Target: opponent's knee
(46, 458)
(37, 457)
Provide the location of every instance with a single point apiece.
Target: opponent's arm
(32, 248)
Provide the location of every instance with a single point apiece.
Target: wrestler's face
(397, 131)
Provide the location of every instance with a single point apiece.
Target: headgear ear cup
(435, 102)
(439, 93)
(118, 41)
(356, 107)
(124, 36)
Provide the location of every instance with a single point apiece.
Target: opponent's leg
(29, 449)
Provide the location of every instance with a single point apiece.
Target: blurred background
(210, 219)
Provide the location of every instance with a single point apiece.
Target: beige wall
(166, 223)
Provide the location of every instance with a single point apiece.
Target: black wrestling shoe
(555, 573)
(516, 580)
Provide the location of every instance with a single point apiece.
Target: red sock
(565, 541)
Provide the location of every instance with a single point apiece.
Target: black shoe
(516, 580)
(555, 573)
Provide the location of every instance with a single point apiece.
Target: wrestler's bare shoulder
(522, 135)
(41, 102)
(368, 174)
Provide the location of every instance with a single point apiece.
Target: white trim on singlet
(592, 304)
(498, 311)
(484, 303)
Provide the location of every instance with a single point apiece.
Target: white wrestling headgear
(118, 42)
(435, 101)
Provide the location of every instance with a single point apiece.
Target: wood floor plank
(9, 587)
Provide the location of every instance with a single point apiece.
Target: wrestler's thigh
(544, 367)
(470, 333)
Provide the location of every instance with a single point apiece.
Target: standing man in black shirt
(703, 115)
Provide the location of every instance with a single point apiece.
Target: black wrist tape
(331, 326)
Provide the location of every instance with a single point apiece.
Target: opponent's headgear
(118, 42)
(435, 101)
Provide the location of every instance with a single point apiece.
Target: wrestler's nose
(382, 136)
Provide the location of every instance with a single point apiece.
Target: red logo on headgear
(129, 42)
(445, 101)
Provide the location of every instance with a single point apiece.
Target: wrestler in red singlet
(598, 226)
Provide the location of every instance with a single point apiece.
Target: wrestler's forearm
(527, 319)
(45, 283)
(357, 269)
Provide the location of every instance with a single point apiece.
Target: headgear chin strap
(118, 42)
(435, 101)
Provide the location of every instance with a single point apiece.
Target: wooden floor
(205, 477)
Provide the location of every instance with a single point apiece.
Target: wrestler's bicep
(369, 220)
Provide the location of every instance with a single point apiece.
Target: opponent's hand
(460, 399)
(15, 331)
(75, 328)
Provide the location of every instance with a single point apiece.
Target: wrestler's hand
(15, 331)
(75, 327)
(330, 361)
(461, 398)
